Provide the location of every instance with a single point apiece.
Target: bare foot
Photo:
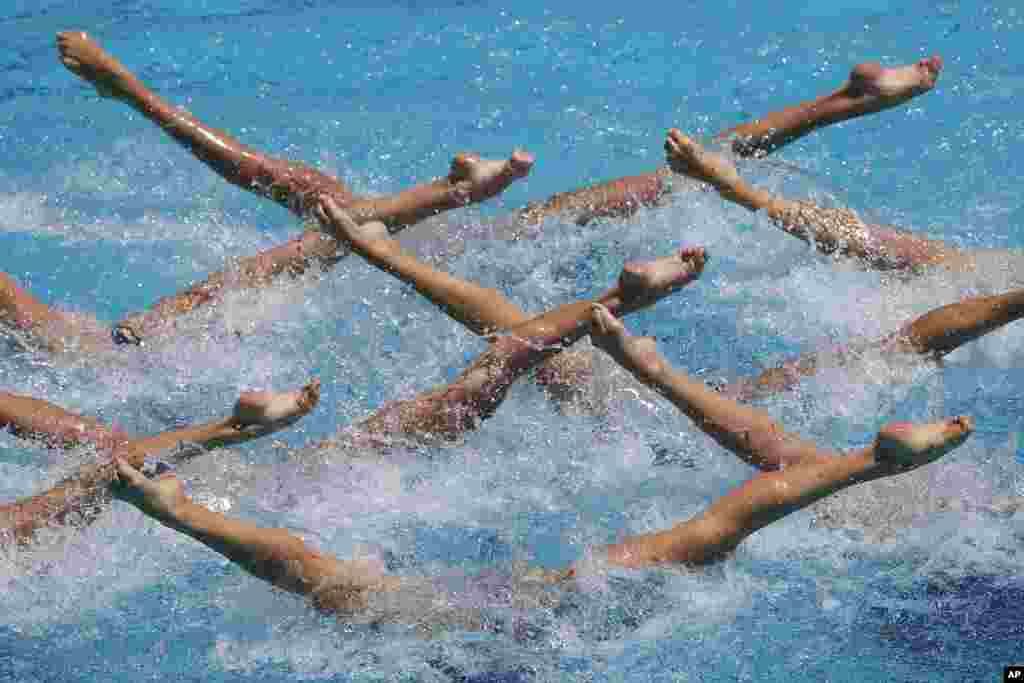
(477, 179)
(86, 59)
(268, 411)
(647, 281)
(160, 498)
(337, 223)
(903, 446)
(686, 157)
(882, 87)
(610, 335)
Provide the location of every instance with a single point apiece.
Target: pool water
(100, 213)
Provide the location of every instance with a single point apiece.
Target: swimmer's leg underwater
(80, 496)
(932, 335)
(46, 326)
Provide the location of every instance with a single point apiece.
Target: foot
(688, 158)
(882, 87)
(337, 223)
(268, 411)
(86, 59)
(610, 335)
(645, 282)
(160, 498)
(476, 179)
(903, 446)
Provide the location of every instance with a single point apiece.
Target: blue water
(99, 213)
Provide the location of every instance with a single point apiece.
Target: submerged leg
(292, 184)
(830, 230)
(53, 329)
(870, 88)
(475, 395)
(79, 497)
(935, 334)
(946, 329)
(797, 472)
(54, 427)
(293, 258)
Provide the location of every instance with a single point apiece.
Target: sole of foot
(477, 179)
(907, 445)
(893, 85)
(660, 277)
(271, 410)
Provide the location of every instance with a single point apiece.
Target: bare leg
(870, 88)
(934, 334)
(797, 473)
(946, 329)
(52, 329)
(748, 432)
(830, 230)
(293, 258)
(79, 497)
(54, 427)
(256, 414)
(273, 555)
(479, 309)
(291, 184)
(451, 411)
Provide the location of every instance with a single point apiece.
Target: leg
(748, 432)
(934, 334)
(797, 473)
(830, 230)
(78, 498)
(946, 329)
(273, 555)
(52, 329)
(870, 88)
(256, 414)
(54, 427)
(291, 184)
(479, 309)
(252, 272)
(451, 411)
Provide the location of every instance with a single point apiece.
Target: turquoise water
(99, 213)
